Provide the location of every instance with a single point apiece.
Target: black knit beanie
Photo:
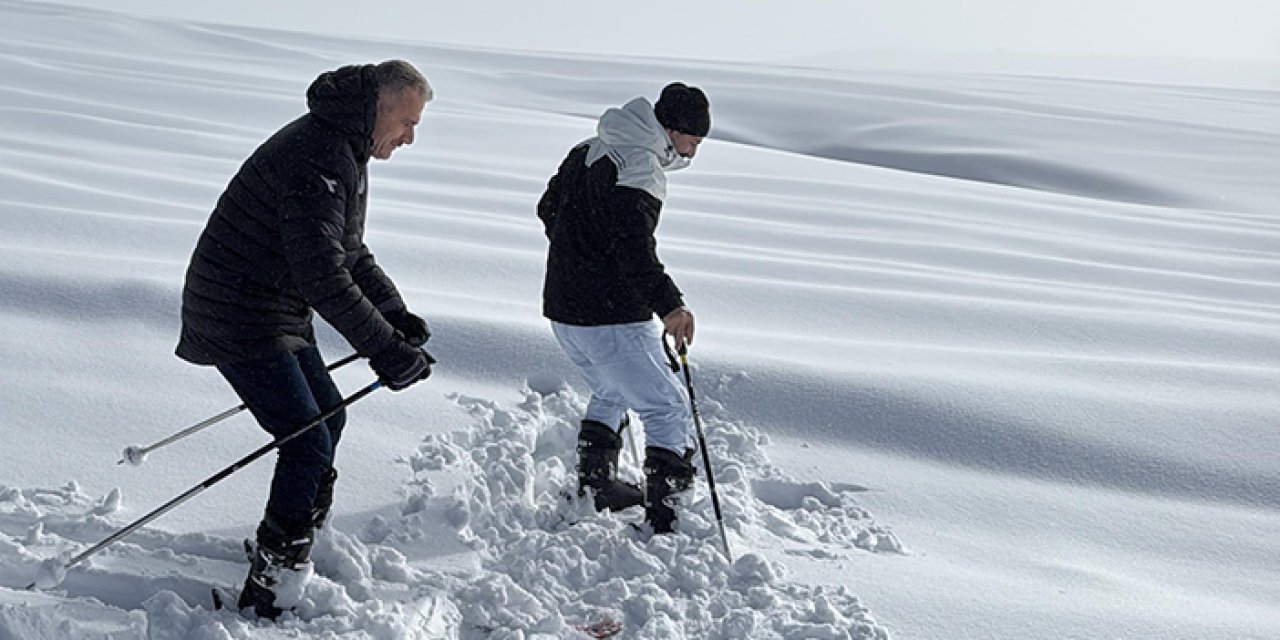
(684, 109)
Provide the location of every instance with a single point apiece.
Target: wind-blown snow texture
(979, 355)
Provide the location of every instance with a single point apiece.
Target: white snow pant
(626, 368)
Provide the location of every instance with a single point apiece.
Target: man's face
(398, 115)
(685, 144)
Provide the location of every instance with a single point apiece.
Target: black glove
(401, 365)
(413, 329)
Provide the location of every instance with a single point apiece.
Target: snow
(980, 355)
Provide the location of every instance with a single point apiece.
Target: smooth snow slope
(1026, 327)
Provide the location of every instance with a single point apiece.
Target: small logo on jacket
(331, 183)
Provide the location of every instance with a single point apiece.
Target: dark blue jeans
(285, 393)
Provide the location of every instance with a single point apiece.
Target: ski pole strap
(671, 356)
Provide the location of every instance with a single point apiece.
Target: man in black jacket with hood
(287, 238)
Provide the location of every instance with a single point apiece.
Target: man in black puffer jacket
(287, 238)
(604, 285)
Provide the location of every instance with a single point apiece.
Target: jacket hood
(634, 125)
(347, 100)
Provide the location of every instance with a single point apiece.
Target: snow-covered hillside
(980, 355)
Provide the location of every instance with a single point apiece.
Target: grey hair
(398, 75)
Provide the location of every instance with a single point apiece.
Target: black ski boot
(324, 498)
(279, 548)
(598, 449)
(666, 474)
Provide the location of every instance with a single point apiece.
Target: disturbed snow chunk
(51, 573)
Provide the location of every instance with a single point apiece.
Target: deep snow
(981, 355)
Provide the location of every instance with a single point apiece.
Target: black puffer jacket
(287, 236)
(600, 212)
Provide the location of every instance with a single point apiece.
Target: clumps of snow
(35, 535)
(168, 616)
(763, 502)
(390, 565)
(37, 502)
(345, 559)
(427, 616)
(157, 585)
(812, 512)
(109, 503)
(33, 614)
(291, 585)
(37, 518)
(51, 573)
(541, 561)
(549, 563)
(546, 384)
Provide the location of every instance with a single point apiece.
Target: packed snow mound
(504, 484)
(556, 564)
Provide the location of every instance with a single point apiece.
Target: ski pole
(702, 440)
(196, 490)
(136, 455)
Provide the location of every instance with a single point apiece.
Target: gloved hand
(413, 328)
(401, 365)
